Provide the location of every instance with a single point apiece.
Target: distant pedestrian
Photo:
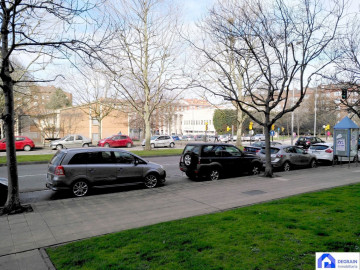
(216, 138)
(120, 133)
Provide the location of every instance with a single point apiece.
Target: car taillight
(59, 170)
(328, 151)
(279, 156)
(257, 150)
(307, 142)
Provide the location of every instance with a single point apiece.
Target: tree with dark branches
(277, 45)
(46, 31)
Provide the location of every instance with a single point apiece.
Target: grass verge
(282, 234)
(46, 158)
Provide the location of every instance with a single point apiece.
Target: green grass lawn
(46, 158)
(282, 234)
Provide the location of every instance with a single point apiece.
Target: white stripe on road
(32, 175)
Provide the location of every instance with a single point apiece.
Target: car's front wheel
(172, 145)
(106, 145)
(85, 145)
(313, 163)
(27, 148)
(151, 181)
(59, 147)
(287, 166)
(80, 188)
(152, 145)
(214, 174)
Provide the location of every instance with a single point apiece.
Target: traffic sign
(272, 133)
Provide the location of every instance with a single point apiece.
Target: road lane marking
(43, 174)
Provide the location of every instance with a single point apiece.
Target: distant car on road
(246, 137)
(224, 138)
(71, 141)
(325, 152)
(21, 143)
(175, 137)
(116, 141)
(306, 141)
(160, 141)
(200, 137)
(258, 137)
(79, 170)
(288, 157)
(214, 160)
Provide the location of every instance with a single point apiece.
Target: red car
(21, 143)
(116, 141)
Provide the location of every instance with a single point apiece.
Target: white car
(258, 137)
(325, 152)
(161, 141)
(224, 138)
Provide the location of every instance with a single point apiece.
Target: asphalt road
(32, 180)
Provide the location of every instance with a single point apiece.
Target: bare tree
(347, 72)
(95, 93)
(146, 57)
(44, 30)
(276, 44)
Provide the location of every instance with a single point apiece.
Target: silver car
(288, 157)
(71, 141)
(161, 141)
(81, 169)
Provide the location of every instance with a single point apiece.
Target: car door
(101, 168)
(159, 142)
(123, 140)
(19, 143)
(2, 144)
(127, 170)
(294, 157)
(303, 156)
(78, 141)
(69, 141)
(115, 141)
(233, 160)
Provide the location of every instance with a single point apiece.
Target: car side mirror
(136, 162)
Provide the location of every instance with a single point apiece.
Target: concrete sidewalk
(57, 222)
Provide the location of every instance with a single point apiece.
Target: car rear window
(319, 147)
(56, 159)
(272, 150)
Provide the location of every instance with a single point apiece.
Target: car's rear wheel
(335, 160)
(85, 145)
(27, 147)
(80, 188)
(151, 181)
(172, 145)
(128, 145)
(313, 163)
(287, 166)
(256, 169)
(59, 147)
(356, 159)
(106, 145)
(214, 174)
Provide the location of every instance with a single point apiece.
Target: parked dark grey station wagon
(80, 169)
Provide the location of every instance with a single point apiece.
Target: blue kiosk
(346, 135)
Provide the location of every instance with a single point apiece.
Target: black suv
(306, 141)
(214, 160)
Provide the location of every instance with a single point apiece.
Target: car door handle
(91, 170)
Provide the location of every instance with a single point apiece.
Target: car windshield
(154, 137)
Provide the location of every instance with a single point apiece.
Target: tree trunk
(268, 166)
(13, 200)
(147, 131)
(240, 121)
